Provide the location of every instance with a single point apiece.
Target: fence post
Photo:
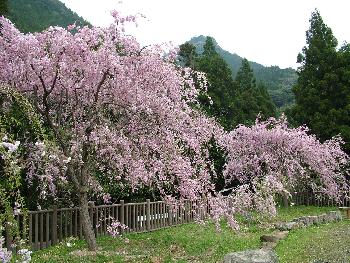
(170, 215)
(54, 225)
(285, 200)
(148, 214)
(122, 215)
(8, 236)
(91, 214)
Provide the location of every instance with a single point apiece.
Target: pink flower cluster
(5, 255)
(115, 228)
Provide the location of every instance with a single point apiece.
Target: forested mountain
(279, 82)
(36, 15)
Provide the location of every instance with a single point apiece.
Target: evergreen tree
(245, 76)
(221, 87)
(209, 47)
(322, 92)
(3, 7)
(188, 54)
(250, 99)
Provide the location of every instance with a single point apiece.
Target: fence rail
(313, 199)
(48, 227)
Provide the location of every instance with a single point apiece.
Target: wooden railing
(313, 199)
(45, 228)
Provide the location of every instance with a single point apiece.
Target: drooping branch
(46, 111)
(99, 85)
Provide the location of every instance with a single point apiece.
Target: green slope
(37, 15)
(279, 82)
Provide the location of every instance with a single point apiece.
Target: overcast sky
(270, 32)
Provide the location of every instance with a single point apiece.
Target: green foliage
(231, 102)
(11, 168)
(218, 158)
(3, 7)
(18, 122)
(250, 99)
(18, 117)
(322, 92)
(250, 102)
(10, 183)
(188, 54)
(37, 15)
(221, 88)
(245, 77)
(278, 82)
(209, 48)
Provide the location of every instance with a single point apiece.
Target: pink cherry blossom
(270, 158)
(112, 107)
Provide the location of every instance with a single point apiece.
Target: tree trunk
(86, 222)
(285, 200)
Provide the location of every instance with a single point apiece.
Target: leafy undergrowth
(324, 243)
(185, 243)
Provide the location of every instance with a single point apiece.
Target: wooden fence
(48, 227)
(312, 199)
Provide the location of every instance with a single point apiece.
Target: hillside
(37, 15)
(278, 81)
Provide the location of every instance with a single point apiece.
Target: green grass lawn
(324, 243)
(185, 243)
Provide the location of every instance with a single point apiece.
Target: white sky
(270, 32)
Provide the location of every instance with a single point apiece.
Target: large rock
(274, 237)
(287, 226)
(335, 215)
(322, 218)
(299, 220)
(314, 220)
(304, 221)
(268, 245)
(252, 256)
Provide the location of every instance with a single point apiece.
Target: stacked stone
(306, 221)
(266, 253)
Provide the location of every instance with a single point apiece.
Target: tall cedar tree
(250, 99)
(221, 86)
(3, 7)
(322, 92)
(188, 54)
